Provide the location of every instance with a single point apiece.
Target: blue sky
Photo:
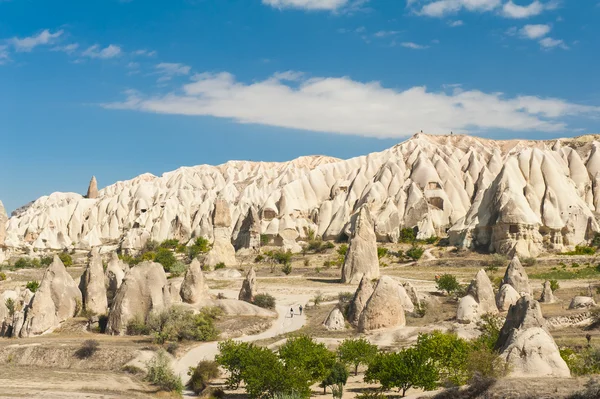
(117, 88)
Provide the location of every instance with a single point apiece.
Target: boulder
(359, 301)
(57, 299)
(249, 289)
(194, 287)
(92, 285)
(384, 307)
(469, 310)
(335, 321)
(547, 295)
(582, 302)
(506, 297)
(526, 345)
(114, 275)
(361, 257)
(92, 192)
(143, 291)
(517, 277)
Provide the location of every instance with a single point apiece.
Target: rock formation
(359, 301)
(506, 297)
(517, 277)
(143, 291)
(222, 250)
(249, 290)
(194, 287)
(582, 302)
(384, 307)
(527, 346)
(56, 300)
(513, 197)
(335, 320)
(114, 275)
(547, 295)
(3, 223)
(405, 299)
(361, 258)
(479, 300)
(92, 192)
(247, 232)
(412, 294)
(92, 286)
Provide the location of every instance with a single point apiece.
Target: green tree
(66, 259)
(336, 379)
(415, 252)
(356, 352)
(202, 374)
(449, 354)
(305, 356)
(407, 235)
(448, 283)
(409, 368)
(166, 258)
(232, 358)
(200, 246)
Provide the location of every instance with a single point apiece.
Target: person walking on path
(300, 310)
(291, 313)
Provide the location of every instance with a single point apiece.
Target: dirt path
(282, 325)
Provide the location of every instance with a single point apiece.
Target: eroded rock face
(335, 321)
(358, 303)
(143, 290)
(582, 302)
(249, 289)
(194, 287)
(384, 307)
(506, 297)
(517, 277)
(114, 275)
(92, 285)
(361, 258)
(527, 346)
(412, 294)
(3, 223)
(248, 231)
(222, 250)
(56, 300)
(406, 301)
(92, 192)
(547, 295)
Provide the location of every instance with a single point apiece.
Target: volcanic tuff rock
(361, 257)
(512, 196)
(92, 285)
(527, 346)
(92, 192)
(384, 307)
(248, 291)
(222, 250)
(581, 302)
(115, 273)
(359, 301)
(479, 300)
(143, 291)
(335, 321)
(506, 297)
(517, 277)
(547, 295)
(3, 222)
(194, 287)
(55, 301)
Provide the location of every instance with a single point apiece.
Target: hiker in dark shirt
(300, 310)
(292, 313)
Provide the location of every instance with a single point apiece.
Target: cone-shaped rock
(406, 301)
(506, 297)
(143, 290)
(248, 291)
(547, 294)
(517, 277)
(194, 287)
(413, 294)
(384, 308)
(92, 192)
(55, 301)
(361, 258)
(527, 346)
(335, 321)
(115, 273)
(358, 303)
(93, 288)
(3, 221)
(482, 290)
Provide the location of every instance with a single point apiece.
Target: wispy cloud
(4, 57)
(95, 51)
(146, 53)
(512, 10)
(549, 43)
(330, 104)
(441, 8)
(386, 33)
(27, 44)
(508, 9)
(414, 46)
(330, 5)
(69, 48)
(454, 24)
(168, 70)
(535, 31)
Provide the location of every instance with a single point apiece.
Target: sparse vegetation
(87, 349)
(32, 285)
(220, 265)
(563, 274)
(11, 306)
(66, 259)
(529, 261)
(202, 375)
(407, 235)
(266, 301)
(27, 263)
(382, 252)
(415, 252)
(2, 276)
(581, 250)
(162, 375)
(200, 246)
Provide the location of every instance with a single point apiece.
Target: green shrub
(66, 259)
(287, 269)
(264, 239)
(583, 362)
(415, 252)
(178, 269)
(581, 250)
(202, 375)
(46, 261)
(162, 375)
(554, 285)
(306, 263)
(382, 252)
(529, 261)
(27, 263)
(496, 261)
(371, 395)
(259, 258)
(345, 297)
(32, 285)
(407, 235)
(432, 240)
(281, 257)
(166, 258)
(87, 349)
(581, 273)
(137, 326)
(342, 250)
(448, 283)
(200, 246)
(11, 306)
(169, 244)
(179, 324)
(2, 276)
(220, 265)
(266, 301)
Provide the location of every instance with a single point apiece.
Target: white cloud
(512, 10)
(330, 5)
(386, 33)
(169, 70)
(4, 57)
(549, 43)
(27, 44)
(454, 24)
(146, 53)
(69, 48)
(535, 31)
(345, 106)
(133, 65)
(441, 8)
(508, 9)
(95, 51)
(413, 46)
